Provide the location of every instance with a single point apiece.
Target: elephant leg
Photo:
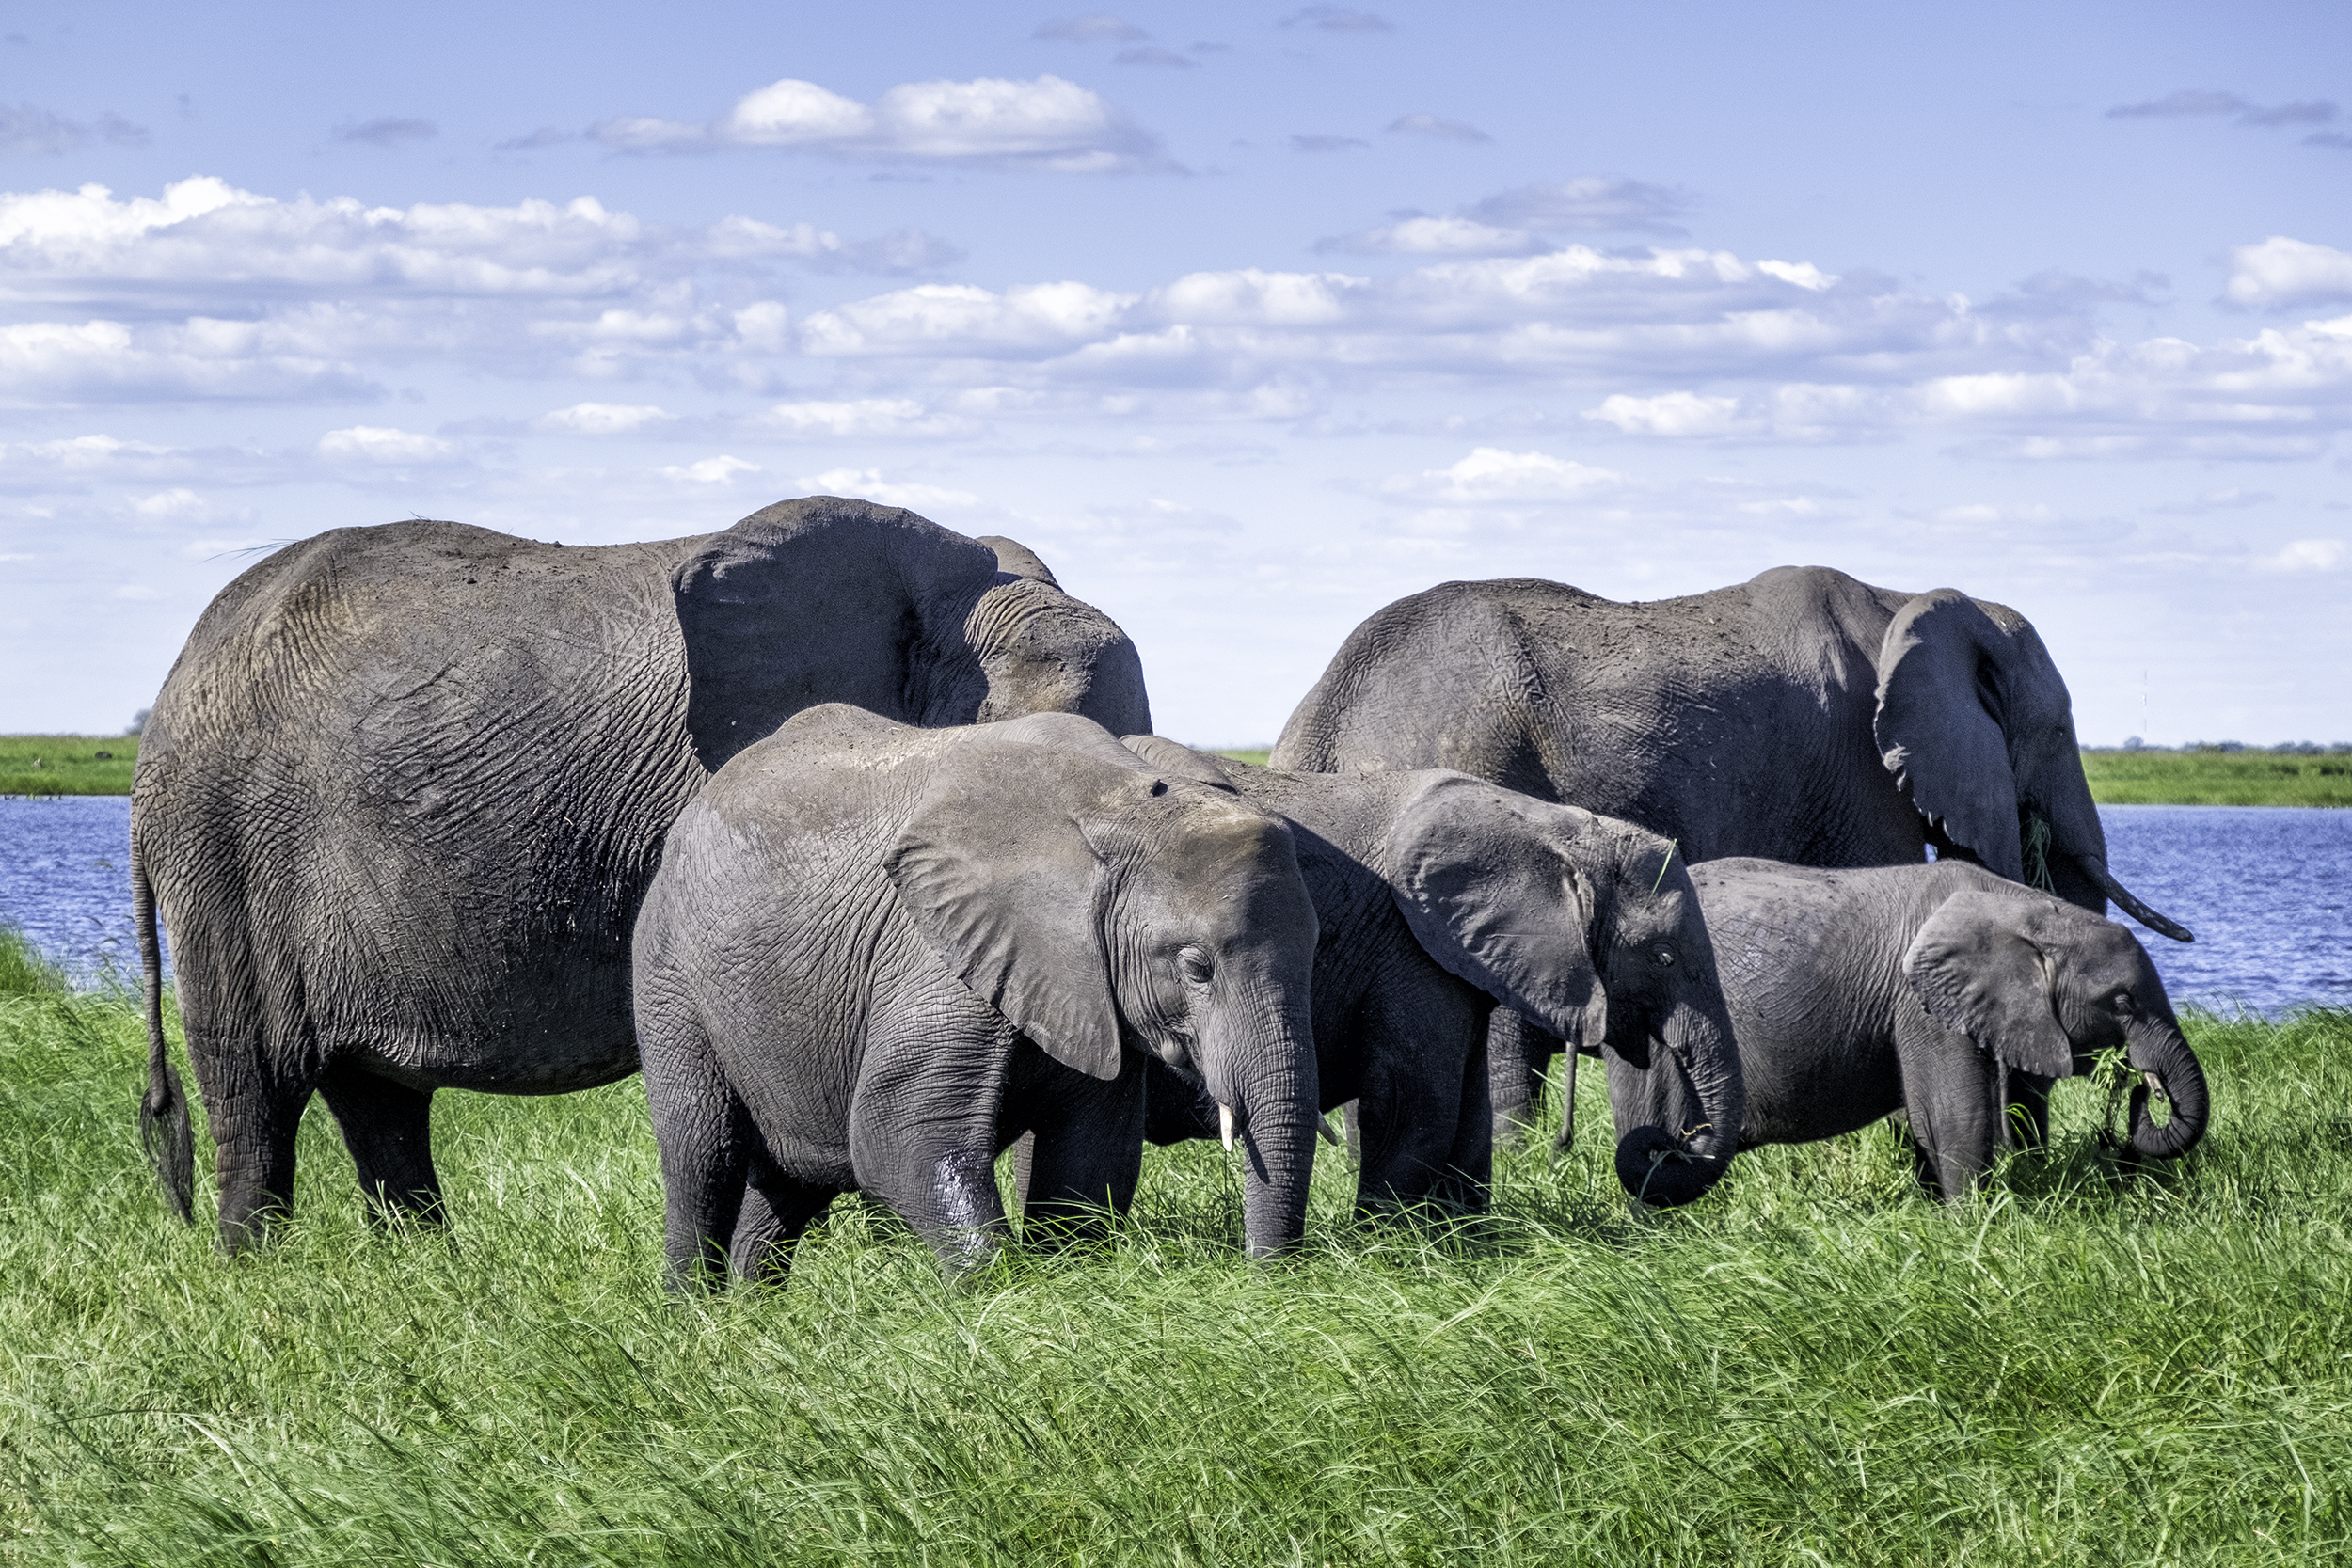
(1086, 1156)
(2028, 1109)
(254, 1113)
(385, 1127)
(1467, 1185)
(1406, 1146)
(777, 1211)
(705, 1137)
(923, 1119)
(1519, 1054)
(1956, 1104)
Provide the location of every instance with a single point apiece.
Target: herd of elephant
(851, 833)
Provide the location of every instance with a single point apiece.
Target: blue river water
(2268, 890)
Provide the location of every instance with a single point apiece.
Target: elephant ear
(1487, 881)
(1940, 724)
(1976, 967)
(1177, 761)
(995, 868)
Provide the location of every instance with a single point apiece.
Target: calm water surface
(2268, 890)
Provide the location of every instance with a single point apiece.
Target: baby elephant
(1926, 987)
(1437, 894)
(875, 955)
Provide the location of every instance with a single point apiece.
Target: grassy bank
(67, 764)
(2217, 778)
(1813, 1365)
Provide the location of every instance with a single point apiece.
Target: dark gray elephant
(1436, 895)
(876, 954)
(400, 796)
(1802, 715)
(1924, 989)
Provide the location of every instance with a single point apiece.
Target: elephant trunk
(2122, 897)
(1667, 1166)
(1270, 1092)
(2159, 1051)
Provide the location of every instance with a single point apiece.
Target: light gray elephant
(1437, 894)
(402, 793)
(1802, 715)
(876, 954)
(1924, 989)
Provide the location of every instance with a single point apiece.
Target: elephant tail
(164, 1130)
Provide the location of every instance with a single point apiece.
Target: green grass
(2218, 778)
(1256, 754)
(1814, 1364)
(66, 764)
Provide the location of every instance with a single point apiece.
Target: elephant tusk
(1225, 1125)
(1323, 1128)
(2123, 899)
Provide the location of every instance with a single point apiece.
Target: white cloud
(178, 502)
(1046, 122)
(943, 318)
(1668, 414)
(382, 444)
(1428, 236)
(602, 419)
(858, 416)
(1491, 475)
(2306, 555)
(2281, 271)
(869, 484)
(711, 470)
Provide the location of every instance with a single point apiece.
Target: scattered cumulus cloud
(2284, 273)
(2203, 103)
(28, 128)
(1094, 27)
(602, 419)
(1492, 475)
(2306, 555)
(869, 484)
(1442, 130)
(381, 444)
(179, 502)
(857, 417)
(1523, 221)
(387, 131)
(1325, 144)
(710, 470)
(1046, 123)
(1337, 18)
(1151, 54)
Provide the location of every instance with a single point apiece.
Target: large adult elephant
(1801, 716)
(401, 795)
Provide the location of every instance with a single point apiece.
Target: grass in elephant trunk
(1813, 1362)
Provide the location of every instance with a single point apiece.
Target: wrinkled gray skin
(875, 955)
(1923, 988)
(1802, 715)
(402, 793)
(1437, 894)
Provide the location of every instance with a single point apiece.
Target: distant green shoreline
(70, 764)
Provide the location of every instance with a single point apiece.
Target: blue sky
(1248, 319)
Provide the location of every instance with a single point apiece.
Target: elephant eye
(2122, 1002)
(1663, 956)
(1195, 965)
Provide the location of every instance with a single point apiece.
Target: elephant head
(1975, 723)
(893, 613)
(1099, 905)
(2044, 986)
(1589, 926)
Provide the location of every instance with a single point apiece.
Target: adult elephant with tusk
(1438, 895)
(402, 793)
(1802, 715)
(876, 954)
(1926, 987)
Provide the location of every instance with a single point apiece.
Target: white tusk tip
(1329, 1135)
(1225, 1125)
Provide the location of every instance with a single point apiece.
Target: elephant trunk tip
(1660, 1171)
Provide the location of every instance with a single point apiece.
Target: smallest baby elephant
(1943, 990)
(875, 955)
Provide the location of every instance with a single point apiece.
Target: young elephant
(1924, 989)
(1437, 894)
(875, 955)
